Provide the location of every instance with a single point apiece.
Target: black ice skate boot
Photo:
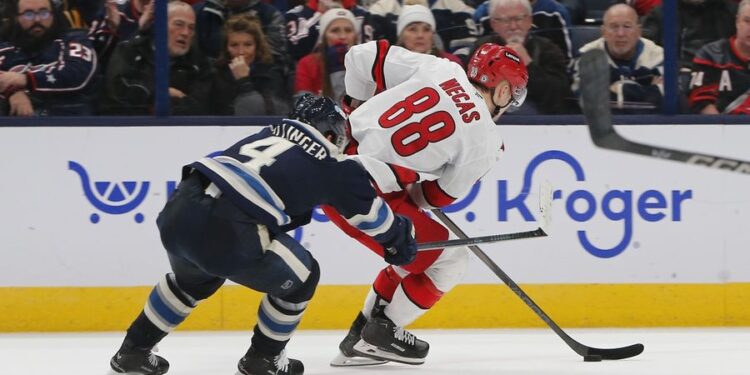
(256, 363)
(137, 361)
(382, 339)
(347, 356)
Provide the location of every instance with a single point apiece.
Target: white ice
(724, 351)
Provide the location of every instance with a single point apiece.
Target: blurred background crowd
(252, 57)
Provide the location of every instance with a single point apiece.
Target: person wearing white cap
(322, 71)
(416, 32)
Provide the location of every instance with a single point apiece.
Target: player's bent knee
(449, 268)
(306, 290)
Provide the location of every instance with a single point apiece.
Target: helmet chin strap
(498, 107)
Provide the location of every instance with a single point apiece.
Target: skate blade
(342, 360)
(371, 351)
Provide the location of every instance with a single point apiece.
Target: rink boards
(634, 241)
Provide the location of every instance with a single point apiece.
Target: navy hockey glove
(401, 248)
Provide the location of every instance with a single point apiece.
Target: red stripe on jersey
(435, 195)
(404, 176)
(708, 92)
(421, 291)
(716, 65)
(378, 68)
(31, 81)
(386, 283)
(351, 147)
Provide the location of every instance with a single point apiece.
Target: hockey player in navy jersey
(45, 69)
(227, 221)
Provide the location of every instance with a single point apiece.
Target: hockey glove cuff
(400, 248)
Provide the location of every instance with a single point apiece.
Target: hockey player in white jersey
(425, 131)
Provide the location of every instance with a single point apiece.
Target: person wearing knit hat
(414, 13)
(334, 14)
(322, 71)
(416, 32)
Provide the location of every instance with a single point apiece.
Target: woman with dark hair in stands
(247, 82)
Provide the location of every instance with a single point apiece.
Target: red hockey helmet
(491, 63)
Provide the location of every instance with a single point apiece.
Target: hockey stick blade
(545, 202)
(594, 69)
(580, 349)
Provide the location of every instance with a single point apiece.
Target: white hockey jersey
(430, 120)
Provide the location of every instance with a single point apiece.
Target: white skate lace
(403, 335)
(281, 361)
(152, 359)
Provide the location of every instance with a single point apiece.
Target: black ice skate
(135, 361)
(347, 356)
(255, 363)
(382, 339)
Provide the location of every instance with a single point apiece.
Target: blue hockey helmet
(323, 114)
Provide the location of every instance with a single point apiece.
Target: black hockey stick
(545, 201)
(539, 232)
(587, 352)
(595, 94)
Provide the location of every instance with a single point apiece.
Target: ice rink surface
(465, 352)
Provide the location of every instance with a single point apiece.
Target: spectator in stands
(247, 82)
(115, 21)
(549, 86)
(549, 19)
(721, 76)
(636, 63)
(416, 32)
(45, 69)
(322, 71)
(129, 83)
(303, 22)
(133, 16)
(211, 14)
(454, 22)
(699, 22)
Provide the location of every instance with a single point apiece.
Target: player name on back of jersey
(461, 99)
(293, 133)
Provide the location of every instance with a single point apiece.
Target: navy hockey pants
(209, 240)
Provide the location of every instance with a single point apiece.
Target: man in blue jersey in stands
(228, 221)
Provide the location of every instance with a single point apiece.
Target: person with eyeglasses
(45, 68)
(635, 63)
(549, 85)
(549, 19)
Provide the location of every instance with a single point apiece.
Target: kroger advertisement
(79, 207)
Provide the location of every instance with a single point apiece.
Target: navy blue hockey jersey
(281, 173)
(63, 72)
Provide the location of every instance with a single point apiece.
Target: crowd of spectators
(252, 57)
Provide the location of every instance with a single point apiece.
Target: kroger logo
(623, 206)
(619, 205)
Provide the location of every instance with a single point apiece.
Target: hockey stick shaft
(545, 202)
(539, 232)
(595, 75)
(582, 350)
